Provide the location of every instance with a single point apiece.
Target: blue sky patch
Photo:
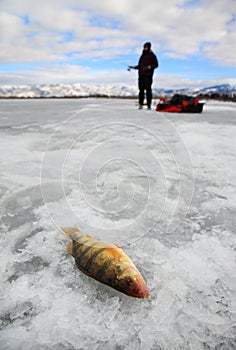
(26, 19)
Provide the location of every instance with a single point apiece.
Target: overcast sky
(92, 41)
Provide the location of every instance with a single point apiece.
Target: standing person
(146, 65)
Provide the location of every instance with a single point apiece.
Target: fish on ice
(105, 262)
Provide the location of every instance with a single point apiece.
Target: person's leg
(141, 90)
(149, 91)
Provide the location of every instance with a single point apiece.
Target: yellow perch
(106, 263)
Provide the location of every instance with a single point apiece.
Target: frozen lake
(163, 186)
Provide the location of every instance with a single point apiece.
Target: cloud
(179, 29)
(223, 52)
(45, 36)
(69, 74)
(65, 31)
(87, 76)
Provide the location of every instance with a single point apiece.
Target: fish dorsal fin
(118, 246)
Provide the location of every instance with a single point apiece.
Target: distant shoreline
(214, 96)
(69, 97)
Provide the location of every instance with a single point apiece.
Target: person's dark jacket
(147, 63)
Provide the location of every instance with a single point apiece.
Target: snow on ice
(162, 186)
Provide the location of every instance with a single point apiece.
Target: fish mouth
(137, 288)
(142, 290)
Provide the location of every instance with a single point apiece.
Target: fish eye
(129, 282)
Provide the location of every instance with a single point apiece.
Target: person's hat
(148, 45)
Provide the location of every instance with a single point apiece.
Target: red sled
(180, 104)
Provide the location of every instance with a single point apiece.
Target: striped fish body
(106, 263)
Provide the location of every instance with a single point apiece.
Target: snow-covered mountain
(65, 90)
(80, 90)
(216, 89)
(221, 89)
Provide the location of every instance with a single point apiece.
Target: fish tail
(70, 231)
(73, 234)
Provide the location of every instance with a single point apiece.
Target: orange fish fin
(88, 236)
(118, 246)
(114, 252)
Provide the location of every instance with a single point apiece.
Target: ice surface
(162, 186)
